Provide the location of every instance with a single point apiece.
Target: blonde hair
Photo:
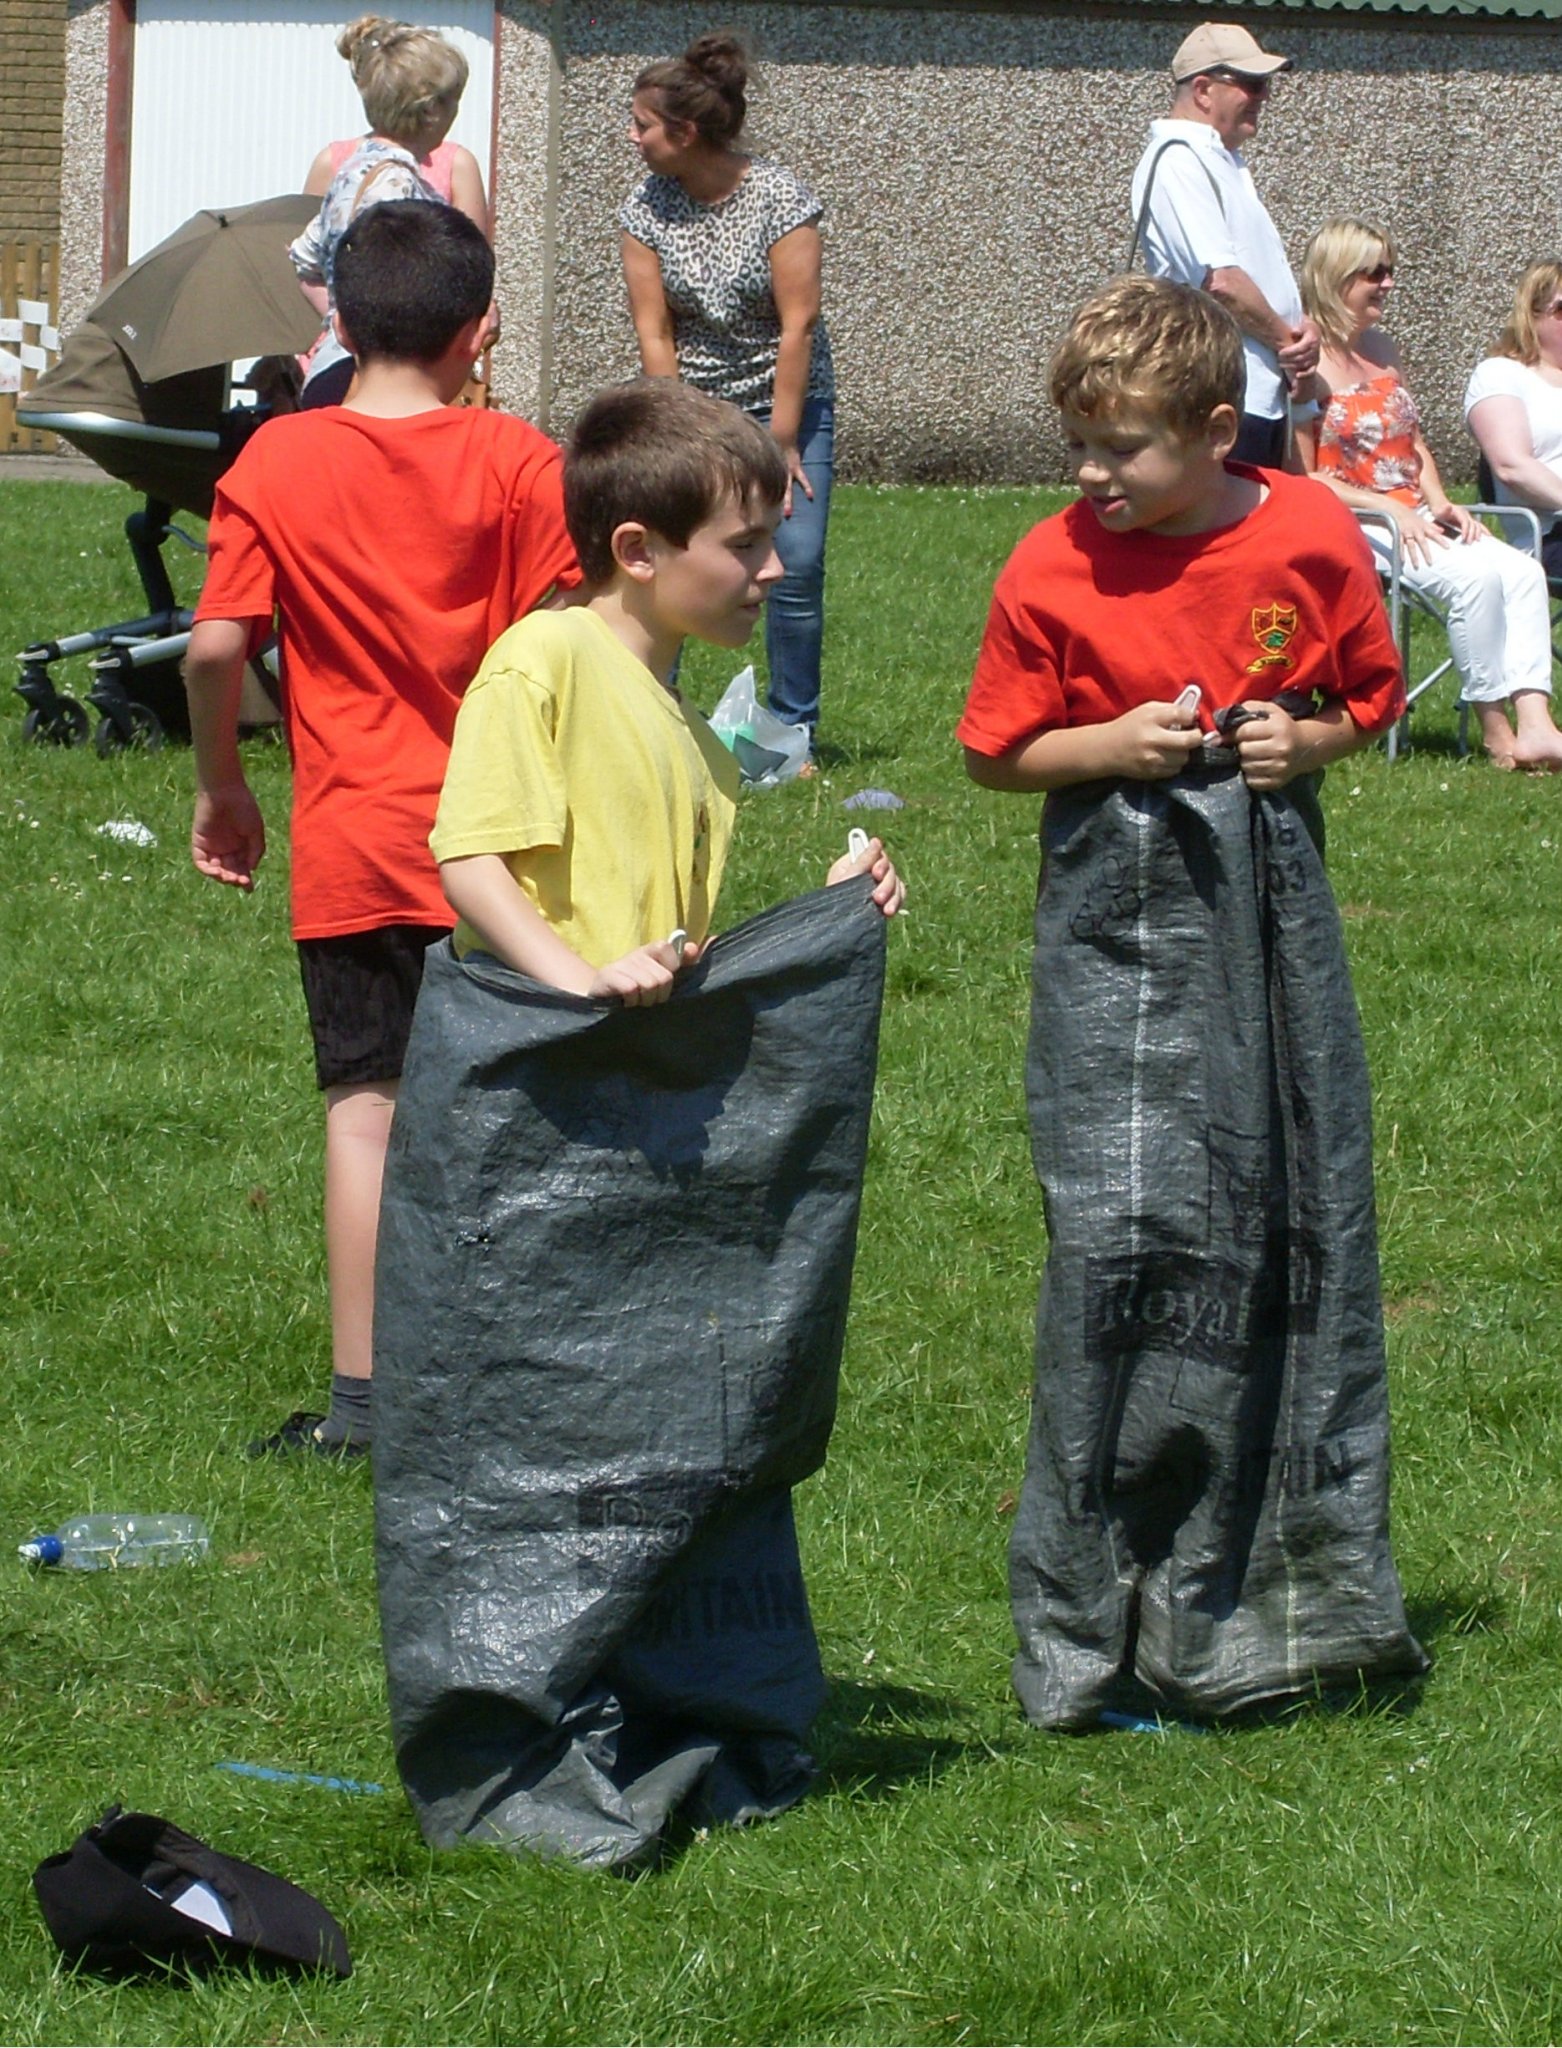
(1537, 289)
(408, 77)
(1148, 347)
(1341, 249)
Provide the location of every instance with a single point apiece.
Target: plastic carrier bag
(766, 751)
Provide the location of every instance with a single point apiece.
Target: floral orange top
(1366, 437)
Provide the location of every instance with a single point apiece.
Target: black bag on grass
(133, 1892)
(615, 1255)
(1204, 1519)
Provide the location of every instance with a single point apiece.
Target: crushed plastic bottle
(94, 1543)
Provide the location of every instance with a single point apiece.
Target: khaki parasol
(220, 287)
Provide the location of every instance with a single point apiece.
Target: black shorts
(1260, 441)
(359, 990)
(330, 387)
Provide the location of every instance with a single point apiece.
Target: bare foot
(1540, 754)
(1496, 734)
(1537, 745)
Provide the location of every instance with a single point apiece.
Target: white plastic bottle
(93, 1543)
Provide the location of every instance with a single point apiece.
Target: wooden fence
(29, 340)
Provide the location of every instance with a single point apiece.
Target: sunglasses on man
(1256, 87)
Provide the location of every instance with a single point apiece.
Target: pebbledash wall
(975, 163)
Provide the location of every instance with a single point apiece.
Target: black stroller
(142, 388)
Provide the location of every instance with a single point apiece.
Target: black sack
(110, 1902)
(615, 1256)
(1205, 1507)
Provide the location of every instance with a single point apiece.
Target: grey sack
(614, 1262)
(1204, 1519)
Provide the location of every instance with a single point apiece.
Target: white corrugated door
(230, 102)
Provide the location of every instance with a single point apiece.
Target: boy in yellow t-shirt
(588, 808)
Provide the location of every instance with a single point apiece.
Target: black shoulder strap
(1172, 142)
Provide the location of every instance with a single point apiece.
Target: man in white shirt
(1205, 224)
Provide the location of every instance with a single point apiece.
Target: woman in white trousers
(1367, 446)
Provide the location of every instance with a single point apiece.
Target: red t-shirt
(1086, 624)
(395, 552)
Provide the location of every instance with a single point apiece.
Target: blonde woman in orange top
(1367, 446)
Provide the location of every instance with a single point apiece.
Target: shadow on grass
(869, 1740)
(872, 1739)
(1439, 746)
(835, 758)
(1135, 1708)
(1458, 1611)
(1379, 1700)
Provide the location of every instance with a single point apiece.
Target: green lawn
(1363, 1876)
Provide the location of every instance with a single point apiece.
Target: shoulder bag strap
(1172, 142)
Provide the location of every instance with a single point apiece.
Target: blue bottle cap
(43, 1550)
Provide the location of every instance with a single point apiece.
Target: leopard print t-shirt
(716, 274)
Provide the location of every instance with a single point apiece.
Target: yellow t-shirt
(610, 798)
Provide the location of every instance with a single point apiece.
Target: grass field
(1356, 1876)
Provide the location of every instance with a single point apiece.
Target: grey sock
(348, 1419)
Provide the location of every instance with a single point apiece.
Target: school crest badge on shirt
(1274, 628)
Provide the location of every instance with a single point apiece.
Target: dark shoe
(301, 1433)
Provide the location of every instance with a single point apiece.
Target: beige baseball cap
(1223, 46)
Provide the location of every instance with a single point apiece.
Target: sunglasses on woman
(1380, 273)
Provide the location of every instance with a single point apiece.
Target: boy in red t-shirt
(1204, 1519)
(394, 538)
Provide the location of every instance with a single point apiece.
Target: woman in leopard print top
(722, 258)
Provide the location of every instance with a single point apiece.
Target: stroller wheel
(129, 725)
(63, 724)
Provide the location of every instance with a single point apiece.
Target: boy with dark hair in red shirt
(394, 538)
(1204, 1519)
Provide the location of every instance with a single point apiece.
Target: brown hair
(660, 453)
(1146, 346)
(1342, 249)
(1537, 289)
(706, 87)
(408, 77)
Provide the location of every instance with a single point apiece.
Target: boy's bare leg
(1539, 744)
(357, 1131)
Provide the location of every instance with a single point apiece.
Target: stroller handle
(127, 430)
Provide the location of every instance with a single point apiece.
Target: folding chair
(1486, 484)
(1404, 602)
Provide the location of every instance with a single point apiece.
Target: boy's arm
(228, 836)
(1148, 744)
(1275, 749)
(481, 890)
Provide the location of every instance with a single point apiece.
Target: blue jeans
(794, 612)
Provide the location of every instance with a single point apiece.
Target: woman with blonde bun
(382, 53)
(1513, 405)
(1367, 446)
(411, 81)
(722, 258)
